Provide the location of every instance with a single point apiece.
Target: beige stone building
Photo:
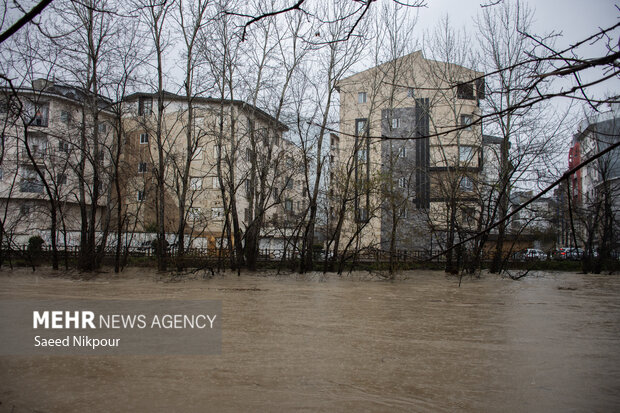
(227, 138)
(50, 117)
(43, 128)
(410, 146)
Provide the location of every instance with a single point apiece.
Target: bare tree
(220, 48)
(191, 18)
(336, 59)
(505, 47)
(130, 55)
(154, 15)
(268, 174)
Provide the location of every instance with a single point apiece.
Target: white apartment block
(46, 134)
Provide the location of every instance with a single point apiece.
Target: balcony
(38, 152)
(39, 121)
(31, 186)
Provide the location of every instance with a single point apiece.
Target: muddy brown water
(547, 343)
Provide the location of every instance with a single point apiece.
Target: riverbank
(204, 274)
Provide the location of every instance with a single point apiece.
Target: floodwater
(546, 343)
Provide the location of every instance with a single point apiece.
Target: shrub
(35, 244)
(154, 245)
(35, 248)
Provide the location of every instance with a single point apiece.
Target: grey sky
(574, 19)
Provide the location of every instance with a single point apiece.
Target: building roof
(491, 140)
(414, 55)
(51, 88)
(209, 100)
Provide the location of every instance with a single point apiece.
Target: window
(65, 117)
(142, 167)
(480, 88)
(61, 179)
(30, 182)
(466, 153)
(360, 127)
(410, 92)
(362, 155)
(101, 155)
(193, 213)
(289, 183)
(37, 144)
(361, 97)
(145, 106)
(141, 196)
(102, 127)
(465, 91)
(361, 215)
(198, 153)
(466, 120)
(288, 205)
(395, 123)
(216, 151)
(215, 182)
(24, 209)
(195, 183)
(217, 213)
(144, 138)
(402, 212)
(63, 147)
(402, 153)
(468, 215)
(248, 154)
(1, 174)
(361, 183)
(402, 182)
(41, 115)
(466, 184)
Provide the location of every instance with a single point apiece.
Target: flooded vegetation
(548, 342)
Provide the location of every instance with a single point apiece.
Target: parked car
(144, 246)
(531, 254)
(567, 253)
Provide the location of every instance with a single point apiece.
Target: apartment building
(595, 134)
(235, 148)
(410, 144)
(233, 144)
(48, 137)
(596, 187)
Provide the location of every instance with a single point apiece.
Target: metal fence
(264, 255)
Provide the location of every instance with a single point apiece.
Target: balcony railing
(37, 152)
(39, 121)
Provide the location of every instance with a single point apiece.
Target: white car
(533, 254)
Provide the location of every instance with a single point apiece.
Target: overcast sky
(574, 19)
